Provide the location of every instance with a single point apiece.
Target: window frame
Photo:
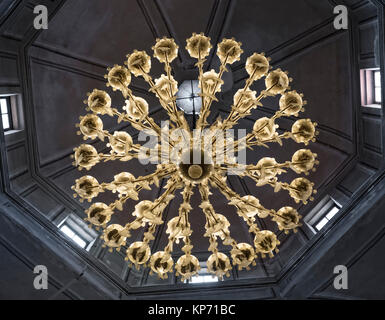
(79, 228)
(75, 234)
(376, 87)
(324, 216)
(368, 87)
(320, 211)
(9, 113)
(202, 273)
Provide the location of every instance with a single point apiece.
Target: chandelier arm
(179, 116)
(244, 142)
(235, 115)
(126, 92)
(211, 96)
(236, 200)
(172, 184)
(200, 64)
(234, 108)
(237, 255)
(143, 184)
(165, 104)
(293, 191)
(149, 119)
(286, 135)
(118, 204)
(281, 113)
(262, 142)
(169, 248)
(160, 204)
(174, 115)
(162, 155)
(182, 226)
(247, 142)
(278, 114)
(255, 172)
(187, 265)
(211, 215)
(152, 178)
(114, 156)
(160, 173)
(230, 195)
(125, 117)
(131, 225)
(233, 146)
(165, 198)
(231, 120)
(183, 220)
(139, 184)
(204, 190)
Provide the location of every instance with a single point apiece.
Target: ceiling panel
(103, 32)
(271, 23)
(178, 15)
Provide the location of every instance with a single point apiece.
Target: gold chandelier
(183, 158)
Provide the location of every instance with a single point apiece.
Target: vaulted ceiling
(54, 69)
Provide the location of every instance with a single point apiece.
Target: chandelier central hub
(195, 171)
(195, 165)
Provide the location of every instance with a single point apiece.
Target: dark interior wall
(24, 244)
(36, 170)
(357, 244)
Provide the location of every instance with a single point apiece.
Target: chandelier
(193, 159)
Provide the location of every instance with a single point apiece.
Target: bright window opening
(6, 114)
(322, 213)
(377, 87)
(327, 217)
(77, 230)
(203, 277)
(371, 90)
(70, 233)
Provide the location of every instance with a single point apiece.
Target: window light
(73, 236)
(327, 217)
(377, 87)
(203, 277)
(188, 98)
(371, 95)
(332, 212)
(6, 114)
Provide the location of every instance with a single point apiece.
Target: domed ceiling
(70, 59)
